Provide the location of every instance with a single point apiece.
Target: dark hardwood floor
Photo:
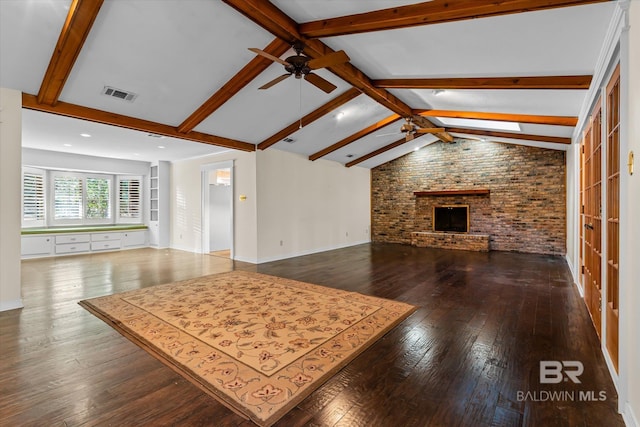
(467, 357)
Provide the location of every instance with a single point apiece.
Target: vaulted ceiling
(516, 71)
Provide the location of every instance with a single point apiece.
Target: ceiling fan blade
(274, 81)
(429, 130)
(268, 55)
(320, 83)
(328, 60)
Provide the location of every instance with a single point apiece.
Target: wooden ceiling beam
(426, 13)
(310, 118)
(360, 134)
(79, 112)
(249, 72)
(272, 19)
(536, 82)
(80, 18)
(269, 17)
(503, 117)
(379, 151)
(539, 138)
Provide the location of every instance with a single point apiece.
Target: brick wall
(525, 212)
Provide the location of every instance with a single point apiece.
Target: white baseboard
(11, 305)
(309, 252)
(574, 274)
(629, 416)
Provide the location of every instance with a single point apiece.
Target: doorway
(217, 209)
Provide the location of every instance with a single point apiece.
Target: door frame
(206, 171)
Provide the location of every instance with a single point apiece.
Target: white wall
(309, 206)
(186, 203)
(630, 235)
(10, 185)
(573, 202)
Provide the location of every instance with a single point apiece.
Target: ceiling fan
(410, 130)
(301, 66)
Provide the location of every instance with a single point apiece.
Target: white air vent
(119, 93)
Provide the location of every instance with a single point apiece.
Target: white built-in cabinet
(43, 245)
(159, 204)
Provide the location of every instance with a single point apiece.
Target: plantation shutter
(67, 194)
(33, 198)
(129, 202)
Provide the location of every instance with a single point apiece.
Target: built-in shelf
(471, 192)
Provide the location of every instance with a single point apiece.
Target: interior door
(592, 217)
(613, 213)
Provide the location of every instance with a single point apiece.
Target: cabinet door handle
(589, 226)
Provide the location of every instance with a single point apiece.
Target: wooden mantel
(470, 192)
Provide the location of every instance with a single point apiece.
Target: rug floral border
(263, 399)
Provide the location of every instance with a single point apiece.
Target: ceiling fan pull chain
(300, 106)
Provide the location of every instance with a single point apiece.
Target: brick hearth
(442, 240)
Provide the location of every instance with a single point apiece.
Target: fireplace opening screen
(451, 218)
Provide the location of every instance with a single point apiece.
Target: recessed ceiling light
(437, 92)
(416, 149)
(85, 135)
(136, 154)
(161, 146)
(67, 145)
(340, 115)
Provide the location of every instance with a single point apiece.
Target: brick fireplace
(524, 211)
(479, 209)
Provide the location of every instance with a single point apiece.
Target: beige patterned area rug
(259, 344)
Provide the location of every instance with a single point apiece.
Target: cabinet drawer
(105, 245)
(134, 238)
(101, 237)
(37, 245)
(69, 248)
(72, 238)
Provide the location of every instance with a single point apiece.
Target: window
(52, 198)
(98, 197)
(129, 201)
(79, 198)
(33, 198)
(67, 198)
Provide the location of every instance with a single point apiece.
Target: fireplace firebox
(454, 218)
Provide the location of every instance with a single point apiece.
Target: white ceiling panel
(397, 152)
(173, 53)
(524, 101)
(356, 115)
(548, 145)
(312, 10)
(44, 131)
(548, 42)
(253, 115)
(29, 31)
